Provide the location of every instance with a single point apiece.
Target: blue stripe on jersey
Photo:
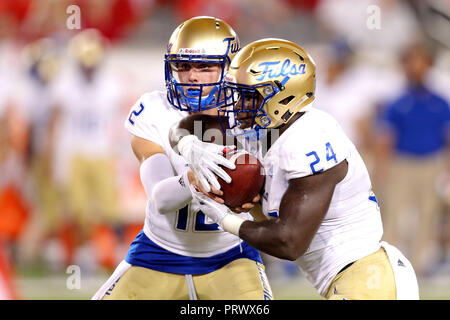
(145, 253)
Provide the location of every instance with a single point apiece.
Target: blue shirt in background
(420, 120)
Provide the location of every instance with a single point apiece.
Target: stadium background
(47, 253)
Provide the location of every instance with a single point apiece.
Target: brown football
(247, 179)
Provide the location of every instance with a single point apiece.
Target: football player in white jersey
(318, 200)
(179, 254)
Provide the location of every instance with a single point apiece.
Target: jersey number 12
(199, 224)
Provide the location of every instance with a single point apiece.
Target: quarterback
(180, 254)
(320, 208)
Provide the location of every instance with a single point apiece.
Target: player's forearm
(301, 211)
(171, 194)
(272, 237)
(166, 192)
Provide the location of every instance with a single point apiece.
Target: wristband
(232, 223)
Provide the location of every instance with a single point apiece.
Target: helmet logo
(276, 69)
(232, 46)
(191, 51)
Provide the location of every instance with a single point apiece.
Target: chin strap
(193, 102)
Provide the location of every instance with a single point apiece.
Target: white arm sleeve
(167, 192)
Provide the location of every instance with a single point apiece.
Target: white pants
(405, 277)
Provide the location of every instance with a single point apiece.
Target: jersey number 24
(330, 155)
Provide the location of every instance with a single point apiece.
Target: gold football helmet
(268, 82)
(199, 40)
(42, 59)
(88, 48)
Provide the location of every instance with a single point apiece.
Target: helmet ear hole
(286, 101)
(286, 115)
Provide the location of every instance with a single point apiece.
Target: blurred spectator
(412, 150)
(89, 101)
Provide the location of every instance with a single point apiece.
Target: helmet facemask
(282, 77)
(199, 41)
(194, 96)
(244, 106)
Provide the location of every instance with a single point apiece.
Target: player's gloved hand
(214, 210)
(204, 159)
(217, 212)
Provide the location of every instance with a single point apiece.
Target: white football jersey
(186, 231)
(352, 227)
(89, 110)
(89, 116)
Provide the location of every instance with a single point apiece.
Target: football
(247, 179)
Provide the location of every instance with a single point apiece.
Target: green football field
(32, 286)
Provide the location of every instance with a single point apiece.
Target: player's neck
(286, 126)
(271, 140)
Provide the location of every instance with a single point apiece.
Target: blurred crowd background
(70, 192)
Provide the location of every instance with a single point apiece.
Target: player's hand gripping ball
(247, 179)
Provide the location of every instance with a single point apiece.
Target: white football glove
(204, 159)
(214, 210)
(217, 212)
